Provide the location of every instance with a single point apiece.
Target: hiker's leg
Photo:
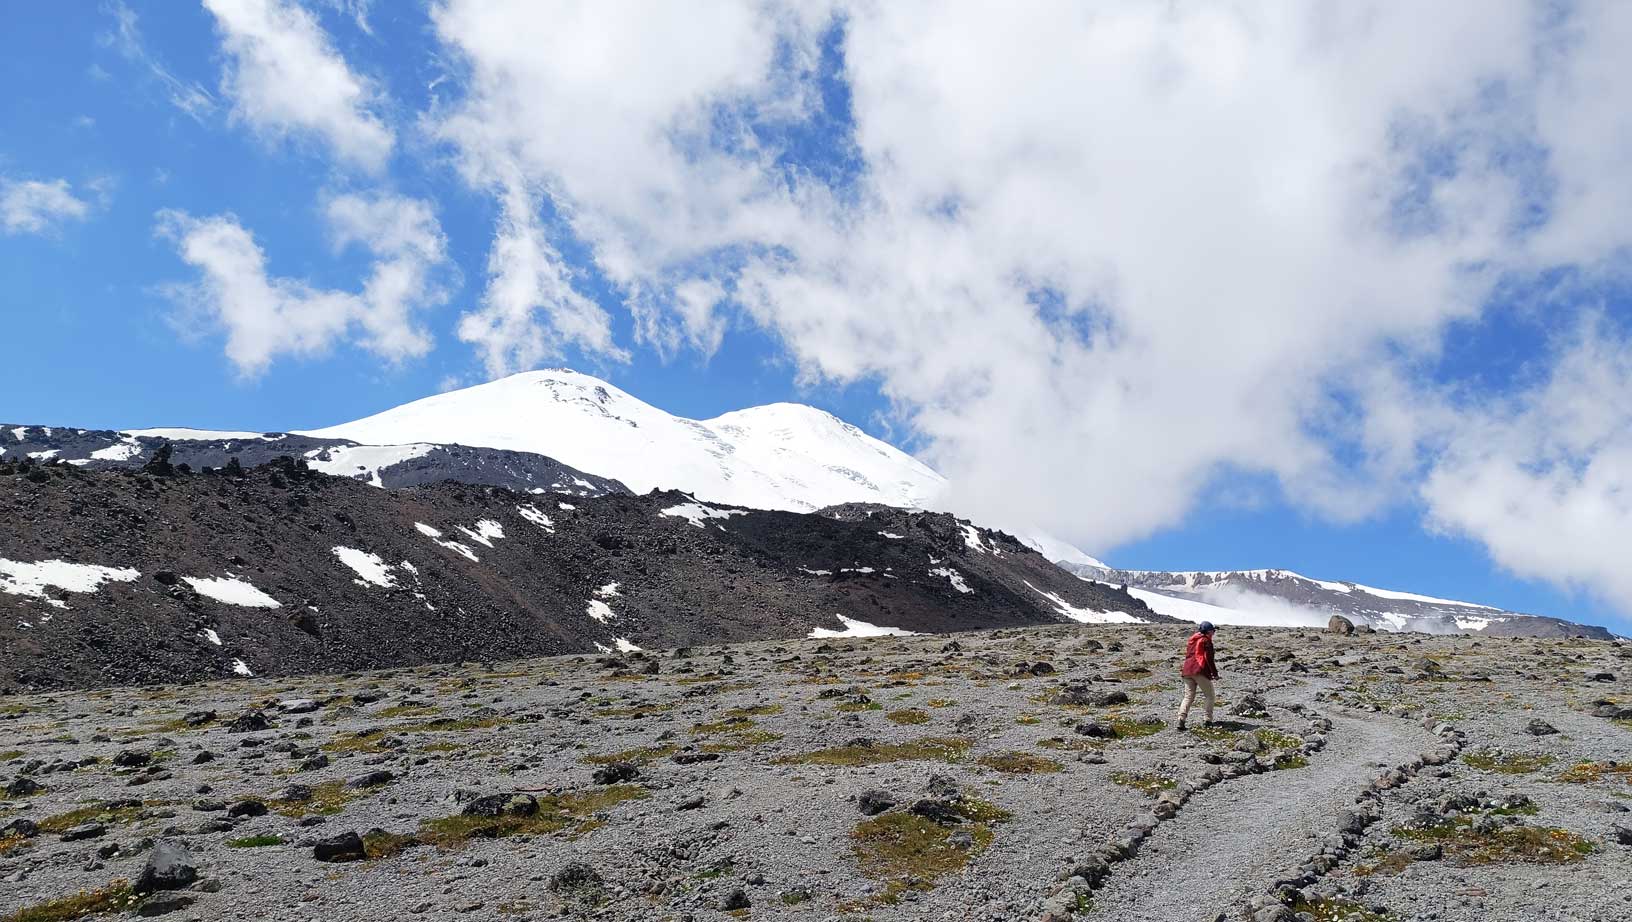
(1188, 699)
(1206, 695)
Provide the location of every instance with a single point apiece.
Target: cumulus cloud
(1544, 479)
(33, 206)
(285, 78)
(1095, 257)
(265, 316)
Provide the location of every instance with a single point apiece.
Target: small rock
(616, 773)
(347, 846)
(736, 899)
(84, 831)
(371, 779)
(248, 807)
(163, 903)
(872, 803)
(1539, 727)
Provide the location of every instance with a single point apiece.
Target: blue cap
(1206, 627)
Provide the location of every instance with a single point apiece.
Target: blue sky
(1171, 283)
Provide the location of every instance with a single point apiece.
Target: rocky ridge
(137, 576)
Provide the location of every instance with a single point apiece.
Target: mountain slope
(380, 465)
(111, 577)
(781, 456)
(1263, 597)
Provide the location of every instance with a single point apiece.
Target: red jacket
(1198, 657)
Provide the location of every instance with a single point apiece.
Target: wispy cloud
(286, 79)
(38, 207)
(126, 37)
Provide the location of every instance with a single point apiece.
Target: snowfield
(855, 628)
(370, 569)
(32, 579)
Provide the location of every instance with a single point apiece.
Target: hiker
(1199, 671)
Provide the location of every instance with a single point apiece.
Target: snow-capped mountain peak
(779, 456)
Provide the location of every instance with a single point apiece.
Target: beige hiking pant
(1191, 683)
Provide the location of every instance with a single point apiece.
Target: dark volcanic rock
(169, 866)
(347, 846)
(488, 574)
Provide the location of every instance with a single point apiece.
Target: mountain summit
(782, 456)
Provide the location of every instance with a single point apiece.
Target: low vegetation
(1507, 763)
(115, 897)
(908, 852)
(926, 749)
(1019, 763)
(1463, 840)
(556, 813)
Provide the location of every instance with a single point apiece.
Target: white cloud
(285, 78)
(1094, 255)
(530, 309)
(265, 316)
(35, 207)
(1544, 479)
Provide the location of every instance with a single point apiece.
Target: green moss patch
(254, 841)
(1150, 783)
(639, 756)
(732, 735)
(1133, 727)
(556, 813)
(327, 799)
(1592, 772)
(1334, 910)
(1513, 763)
(1516, 844)
(1019, 763)
(115, 897)
(908, 716)
(62, 822)
(926, 749)
(907, 852)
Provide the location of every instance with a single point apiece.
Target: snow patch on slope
(436, 535)
(363, 462)
(32, 579)
(232, 591)
(954, 577)
(1084, 615)
(370, 569)
(695, 513)
(532, 514)
(854, 628)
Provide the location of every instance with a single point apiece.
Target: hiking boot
(1180, 726)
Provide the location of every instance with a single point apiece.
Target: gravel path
(1229, 843)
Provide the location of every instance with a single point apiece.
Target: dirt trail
(1230, 842)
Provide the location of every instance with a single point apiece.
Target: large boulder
(1338, 624)
(169, 866)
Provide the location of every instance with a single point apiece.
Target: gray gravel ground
(1220, 852)
(791, 835)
